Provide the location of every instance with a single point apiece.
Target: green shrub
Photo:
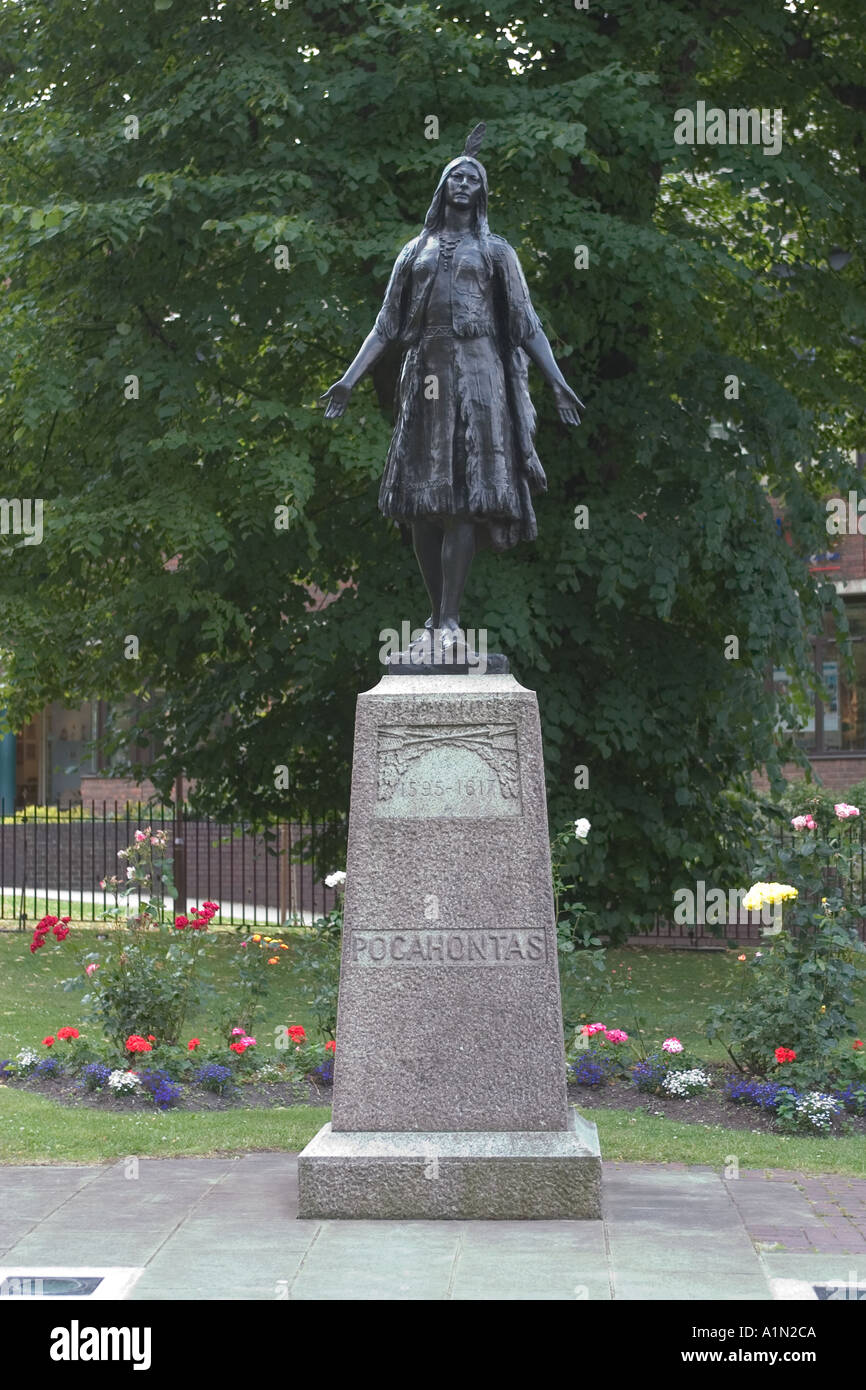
(797, 993)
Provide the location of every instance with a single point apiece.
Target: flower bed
(131, 1047)
(605, 1062)
(166, 1076)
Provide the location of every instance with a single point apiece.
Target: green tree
(160, 364)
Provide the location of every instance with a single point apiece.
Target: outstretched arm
(337, 395)
(567, 402)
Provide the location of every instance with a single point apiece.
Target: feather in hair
(474, 139)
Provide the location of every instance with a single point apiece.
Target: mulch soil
(246, 1096)
(710, 1109)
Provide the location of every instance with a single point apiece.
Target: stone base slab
(467, 1175)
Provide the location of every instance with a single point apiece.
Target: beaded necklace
(447, 247)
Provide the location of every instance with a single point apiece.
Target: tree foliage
(154, 252)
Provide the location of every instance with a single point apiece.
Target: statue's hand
(567, 403)
(337, 397)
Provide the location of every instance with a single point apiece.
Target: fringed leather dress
(463, 441)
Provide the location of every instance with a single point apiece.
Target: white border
(802, 1290)
(117, 1281)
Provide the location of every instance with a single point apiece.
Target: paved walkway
(223, 1228)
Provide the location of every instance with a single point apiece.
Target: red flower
(330, 1046)
(297, 1034)
(193, 1044)
(60, 932)
(180, 922)
(66, 919)
(238, 1047)
(48, 1042)
(151, 1038)
(37, 942)
(785, 1054)
(857, 1044)
(67, 1033)
(136, 1043)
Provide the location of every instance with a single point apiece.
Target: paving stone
(673, 1234)
(382, 1259)
(687, 1287)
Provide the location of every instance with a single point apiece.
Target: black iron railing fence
(852, 888)
(53, 858)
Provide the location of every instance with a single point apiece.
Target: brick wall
(836, 774)
(105, 791)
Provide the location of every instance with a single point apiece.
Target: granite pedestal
(449, 1084)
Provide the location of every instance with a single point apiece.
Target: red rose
(48, 1042)
(60, 932)
(180, 922)
(37, 942)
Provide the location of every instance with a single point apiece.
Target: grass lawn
(33, 1003)
(34, 1129)
(673, 992)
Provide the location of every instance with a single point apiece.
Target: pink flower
(616, 1035)
(139, 836)
(844, 811)
(181, 921)
(248, 1042)
(237, 1032)
(89, 969)
(804, 822)
(672, 1045)
(590, 1029)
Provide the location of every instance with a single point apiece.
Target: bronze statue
(462, 467)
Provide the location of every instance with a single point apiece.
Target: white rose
(581, 829)
(336, 879)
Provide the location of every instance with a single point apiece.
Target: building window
(838, 723)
